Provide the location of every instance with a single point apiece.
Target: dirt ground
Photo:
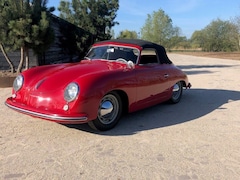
(197, 138)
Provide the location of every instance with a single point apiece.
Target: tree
(197, 39)
(5, 15)
(28, 26)
(126, 34)
(7, 58)
(96, 17)
(217, 36)
(236, 21)
(42, 33)
(179, 42)
(221, 36)
(158, 28)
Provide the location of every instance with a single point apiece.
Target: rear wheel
(177, 92)
(109, 112)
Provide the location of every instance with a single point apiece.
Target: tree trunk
(21, 60)
(27, 58)
(7, 58)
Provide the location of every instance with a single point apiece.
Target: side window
(149, 56)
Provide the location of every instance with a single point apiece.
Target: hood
(53, 77)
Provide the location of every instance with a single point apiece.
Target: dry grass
(221, 55)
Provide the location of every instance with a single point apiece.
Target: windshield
(113, 53)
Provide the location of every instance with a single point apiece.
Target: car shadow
(195, 103)
(201, 69)
(203, 66)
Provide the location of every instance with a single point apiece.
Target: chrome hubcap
(176, 88)
(176, 91)
(108, 109)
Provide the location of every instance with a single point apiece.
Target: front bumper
(56, 117)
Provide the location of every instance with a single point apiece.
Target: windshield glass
(113, 53)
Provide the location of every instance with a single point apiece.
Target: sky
(188, 15)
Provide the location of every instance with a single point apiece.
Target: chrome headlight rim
(71, 92)
(18, 83)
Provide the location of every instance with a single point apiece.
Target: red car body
(136, 85)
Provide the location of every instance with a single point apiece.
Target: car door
(152, 79)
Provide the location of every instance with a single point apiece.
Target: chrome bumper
(54, 117)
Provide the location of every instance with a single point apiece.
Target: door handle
(166, 75)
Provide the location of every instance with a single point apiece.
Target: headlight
(18, 82)
(71, 92)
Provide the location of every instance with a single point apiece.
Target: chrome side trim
(45, 116)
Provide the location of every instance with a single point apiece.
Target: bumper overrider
(56, 117)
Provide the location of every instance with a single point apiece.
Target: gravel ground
(195, 139)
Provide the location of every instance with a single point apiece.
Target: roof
(138, 42)
(144, 44)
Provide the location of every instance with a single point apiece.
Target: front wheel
(109, 113)
(177, 92)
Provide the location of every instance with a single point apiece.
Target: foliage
(180, 42)
(217, 36)
(197, 39)
(158, 28)
(5, 15)
(236, 22)
(96, 17)
(126, 34)
(27, 27)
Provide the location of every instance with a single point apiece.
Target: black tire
(109, 113)
(176, 93)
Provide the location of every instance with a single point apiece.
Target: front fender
(93, 87)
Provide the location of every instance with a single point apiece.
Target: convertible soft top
(144, 44)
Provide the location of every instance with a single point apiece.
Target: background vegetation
(25, 24)
(218, 36)
(96, 17)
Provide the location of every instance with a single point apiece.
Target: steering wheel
(122, 60)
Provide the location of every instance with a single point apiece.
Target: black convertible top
(144, 44)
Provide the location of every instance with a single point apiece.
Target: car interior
(148, 56)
